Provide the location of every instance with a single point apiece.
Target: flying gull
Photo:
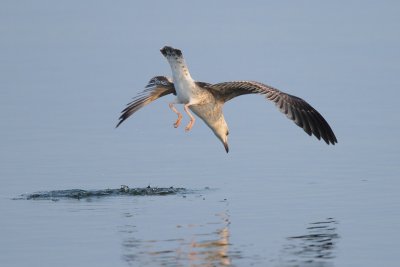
(207, 100)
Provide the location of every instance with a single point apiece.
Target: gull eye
(227, 132)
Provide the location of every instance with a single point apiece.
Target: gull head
(221, 130)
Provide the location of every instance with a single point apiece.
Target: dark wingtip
(122, 118)
(331, 140)
(119, 123)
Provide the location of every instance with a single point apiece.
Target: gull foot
(176, 124)
(189, 126)
(178, 121)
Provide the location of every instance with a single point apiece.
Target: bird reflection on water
(315, 248)
(213, 251)
(194, 249)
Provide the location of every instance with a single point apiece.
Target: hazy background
(67, 68)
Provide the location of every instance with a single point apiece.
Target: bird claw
(189, 126)
(177, 123)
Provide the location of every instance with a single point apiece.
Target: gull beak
(226, 147)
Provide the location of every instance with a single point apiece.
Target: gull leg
(178, 121)
(192, 119)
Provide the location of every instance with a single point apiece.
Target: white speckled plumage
(185, 87)
(206, 100)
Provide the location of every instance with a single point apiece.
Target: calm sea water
(279, 198)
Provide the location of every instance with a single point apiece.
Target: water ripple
(315, 248)
(122, 191)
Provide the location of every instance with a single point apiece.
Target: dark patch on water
(315, 248)
(122, 191)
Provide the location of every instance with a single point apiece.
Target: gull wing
(157, 87)
(295, 108)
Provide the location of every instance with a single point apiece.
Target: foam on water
(122, 191)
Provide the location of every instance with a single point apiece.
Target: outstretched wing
(157, 87)
(295, 108)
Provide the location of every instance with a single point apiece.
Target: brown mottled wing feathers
(157, 87)
(295, 108)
